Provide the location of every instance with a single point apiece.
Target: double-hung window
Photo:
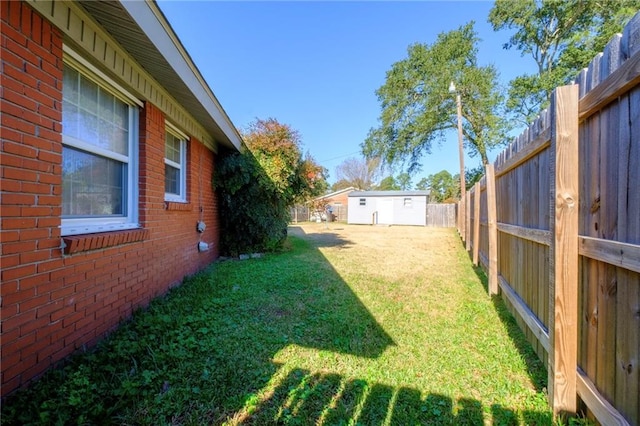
(175, 171)
(99, 155)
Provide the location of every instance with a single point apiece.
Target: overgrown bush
(257, 186)
(253, 213)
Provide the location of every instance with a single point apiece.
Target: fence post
(493, 229)
(476, 222)
(563, 256)
(467, 225)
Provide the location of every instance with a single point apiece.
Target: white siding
(388, 210)
(414, 212)
(361, 215)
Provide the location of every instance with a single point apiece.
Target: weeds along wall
(556, 223)
(57, 300)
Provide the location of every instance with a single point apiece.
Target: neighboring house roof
(142, 29)
(389, 194)
(335, 193)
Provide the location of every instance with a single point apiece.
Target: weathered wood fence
(555, 222)
(441, 215)
(302, 213)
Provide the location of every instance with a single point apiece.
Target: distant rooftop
(389, 194)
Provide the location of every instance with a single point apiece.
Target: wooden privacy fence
(441, 215)
(555, 222)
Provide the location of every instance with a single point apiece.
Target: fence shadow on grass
(200, 353)
(302, 396)
(330, 399)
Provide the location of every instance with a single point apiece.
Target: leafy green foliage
(561, 36)
(258, 185)
(417, 107)
(388, 184)
(404, 181)
(253, 213)
(471, 176)
(277, 149)
(423, 184)
(401, 182)
(443, 186)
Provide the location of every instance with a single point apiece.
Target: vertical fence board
(467, 220)
(631, 310)
(493, 230)
(459, 218)
(607, 285)
(476, 222)
(518, 270)
(564, 270)
(626, 375)
(592, 222)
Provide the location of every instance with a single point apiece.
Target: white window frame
(407, 202)
(182, 167)
(129, 218)
(362, 202)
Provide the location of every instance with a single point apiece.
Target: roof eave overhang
(148, 17)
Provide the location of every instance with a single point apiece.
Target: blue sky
(316, 65)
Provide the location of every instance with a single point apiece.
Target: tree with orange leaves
(258, 186)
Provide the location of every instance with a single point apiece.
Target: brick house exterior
(79, 255)
(339, 202)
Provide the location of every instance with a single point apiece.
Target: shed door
(385, 211)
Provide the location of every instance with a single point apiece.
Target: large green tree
(404, 181)
(417, 108)
(443, 186)
(388, 184)
(561, 36)
(401, 182)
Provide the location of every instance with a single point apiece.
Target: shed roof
(363, 194)
(142, 29)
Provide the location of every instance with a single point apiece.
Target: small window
(363, 201)
(175, 171)
(407, 202)
(99, 156)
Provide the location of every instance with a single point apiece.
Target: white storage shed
(388, 207)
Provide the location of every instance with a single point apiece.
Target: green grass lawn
(351, 325)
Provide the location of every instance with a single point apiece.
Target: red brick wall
(340, 210)
(341, 198)
(53, 303)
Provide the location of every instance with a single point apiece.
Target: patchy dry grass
(350, 325)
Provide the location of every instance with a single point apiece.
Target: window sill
(81, 243)
(176, 206)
